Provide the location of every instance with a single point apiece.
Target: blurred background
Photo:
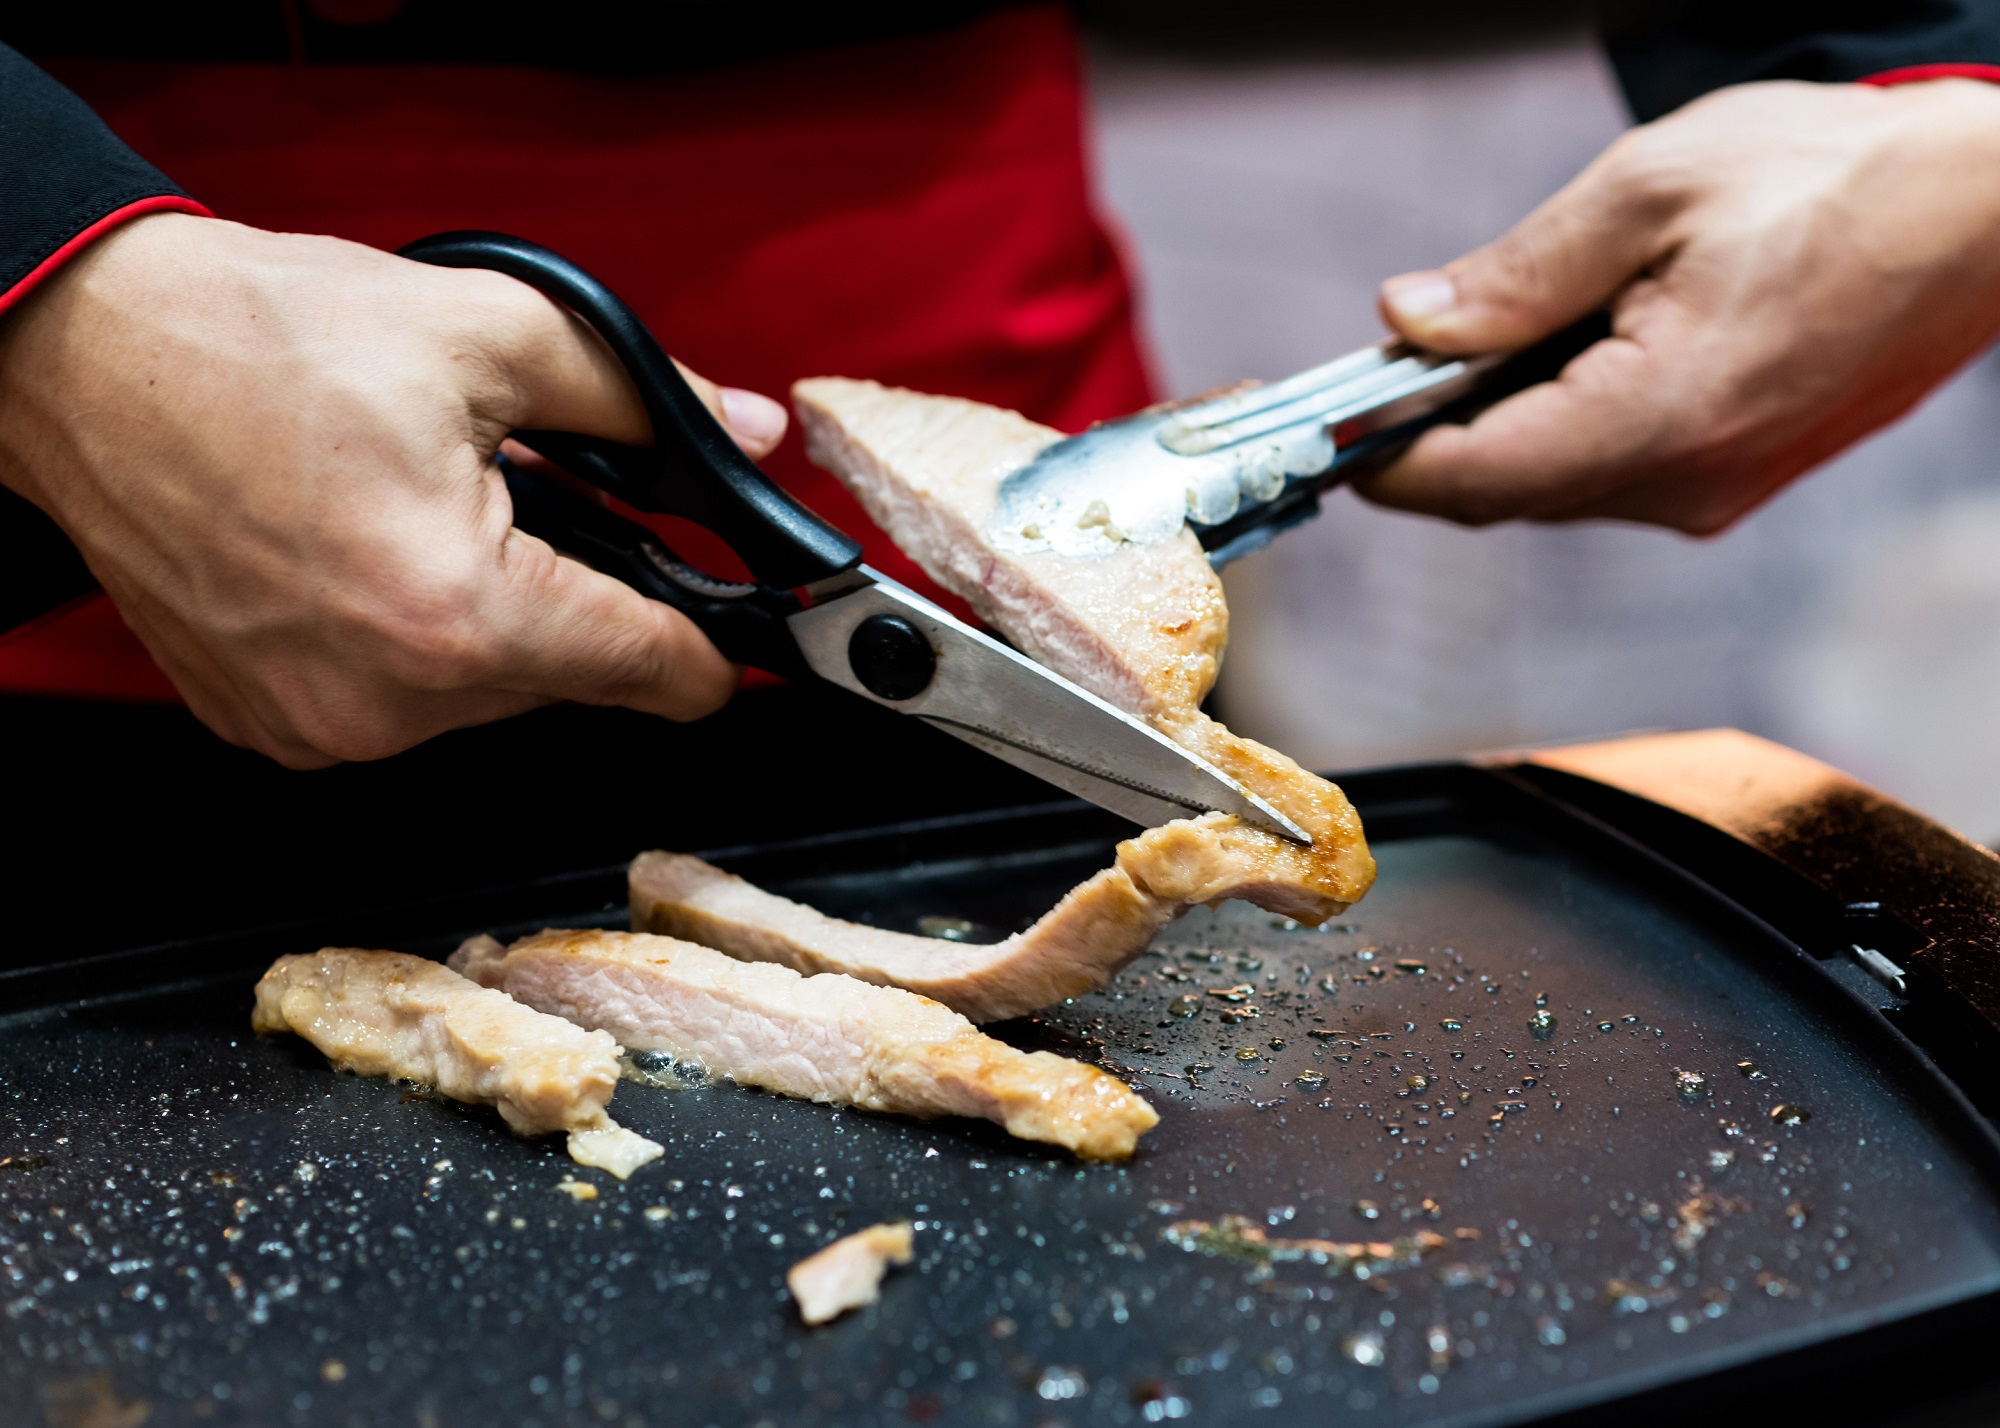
(1269, 166)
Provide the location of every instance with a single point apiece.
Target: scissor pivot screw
(891, 657)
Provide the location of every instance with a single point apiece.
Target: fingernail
(752, 415)
(1415, 296)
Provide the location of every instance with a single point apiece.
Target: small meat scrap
(826, 1038)
(1242, 1239)
(847, 1274)
(388, 1014)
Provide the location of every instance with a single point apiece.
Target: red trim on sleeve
(1917, 73)
(159, 203)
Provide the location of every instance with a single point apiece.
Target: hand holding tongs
(1241, 467)
(814, 611)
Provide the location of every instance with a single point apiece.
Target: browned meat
(847, 1274)
(1143, 626)
(1078, 945)
(1089, 935)
(823, 1038)
(387, 1014)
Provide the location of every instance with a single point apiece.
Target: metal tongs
(1242, 467)
(814, 611)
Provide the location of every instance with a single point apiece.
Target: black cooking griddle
(1642, 1129)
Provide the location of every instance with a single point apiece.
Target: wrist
(1960, 115)
(60, 341)
(1941, 168)
(92, 233)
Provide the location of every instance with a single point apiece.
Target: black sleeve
(594, 36)
(1667, 52)
(61, 170)
(62, 173)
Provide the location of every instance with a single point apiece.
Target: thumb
(755, 421)
(558, 374)
(1567, 258)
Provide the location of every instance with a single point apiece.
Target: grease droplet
(1365, 1349)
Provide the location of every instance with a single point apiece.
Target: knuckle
(459, 654)
(1517, 267)
(1650, 171)
(319, 732)
(483, 324)
(508, 314)
(630, 662)
(304, 758)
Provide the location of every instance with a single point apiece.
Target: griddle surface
(219, 1227)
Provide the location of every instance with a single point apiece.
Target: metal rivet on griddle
(891, 657)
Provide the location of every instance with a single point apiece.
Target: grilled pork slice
(1101, 925)
(387, 1014)
(822, 1038)
(1142, 626)
(847, 1274)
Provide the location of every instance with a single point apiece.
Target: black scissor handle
(693, 468)
(746, 622)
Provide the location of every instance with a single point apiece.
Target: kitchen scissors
(1238, 468)
(814, 611)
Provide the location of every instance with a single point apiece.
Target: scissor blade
(1002, 702)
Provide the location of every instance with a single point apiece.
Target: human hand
(276, 452)
(1788, 266)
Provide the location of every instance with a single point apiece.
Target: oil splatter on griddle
(1545, 1122)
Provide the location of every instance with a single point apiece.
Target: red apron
(913, 210)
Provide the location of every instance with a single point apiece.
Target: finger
(572, 633)
(559, 375)
(755, 421)
(1543, 451)
(1566, 259)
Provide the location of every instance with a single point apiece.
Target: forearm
(65, 181)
